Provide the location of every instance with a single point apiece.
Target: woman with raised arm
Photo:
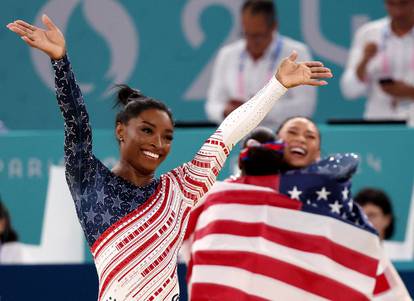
(133, 222)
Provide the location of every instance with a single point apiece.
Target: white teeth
(298, 150)
(150, 154)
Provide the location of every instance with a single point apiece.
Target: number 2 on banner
(195, 36)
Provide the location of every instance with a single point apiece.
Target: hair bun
(126, 94)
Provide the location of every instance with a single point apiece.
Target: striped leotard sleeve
(198, 175)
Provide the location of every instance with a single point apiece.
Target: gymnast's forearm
(248, 116)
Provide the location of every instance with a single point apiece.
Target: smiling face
(145, 141)
(302, 141)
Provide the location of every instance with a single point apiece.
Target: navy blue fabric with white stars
(101, 198)
(325, 188)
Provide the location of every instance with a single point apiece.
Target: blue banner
(165, 48)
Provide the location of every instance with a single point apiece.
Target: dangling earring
(121, 139)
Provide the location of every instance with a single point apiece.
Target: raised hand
(291, 74)
(50, 40)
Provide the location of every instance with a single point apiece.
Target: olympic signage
(167, 49)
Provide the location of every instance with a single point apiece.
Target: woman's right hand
(51, 41)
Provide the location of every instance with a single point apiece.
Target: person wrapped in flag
(134, 223)
(281, 232)
(302, 139)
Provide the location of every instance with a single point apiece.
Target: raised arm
(199, 175)
(78, 138)
(290, 74)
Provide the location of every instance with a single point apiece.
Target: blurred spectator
(381, 64)
(377, 206)
(244, 66)
(10, 249)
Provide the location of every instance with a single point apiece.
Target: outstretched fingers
(311, 64)
(48, 22)
(293, 56)
(316, 83)
(22, 28)
(28, 27)
(315, 72)
(17, 29)
(29, 41)
(27, 37)
(320, 72)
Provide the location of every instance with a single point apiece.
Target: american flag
(325, 188)
(389, 286)
(249, 242)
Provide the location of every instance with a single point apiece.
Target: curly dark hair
(260, 160)
(132, 103)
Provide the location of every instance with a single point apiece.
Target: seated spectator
(377, 206)
(10, 249)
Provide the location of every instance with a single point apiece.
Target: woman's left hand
(291, 74)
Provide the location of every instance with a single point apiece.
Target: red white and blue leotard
(135, 232)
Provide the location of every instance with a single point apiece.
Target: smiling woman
(133, 222)
(302, 139)
(144, 130)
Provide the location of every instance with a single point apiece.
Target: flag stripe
(382, 284)
(272, 248)
(310, 262)
(283, 271)
(249, 197)
(248, 282)
(300, 241)
(294, 220)
(203, 291)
